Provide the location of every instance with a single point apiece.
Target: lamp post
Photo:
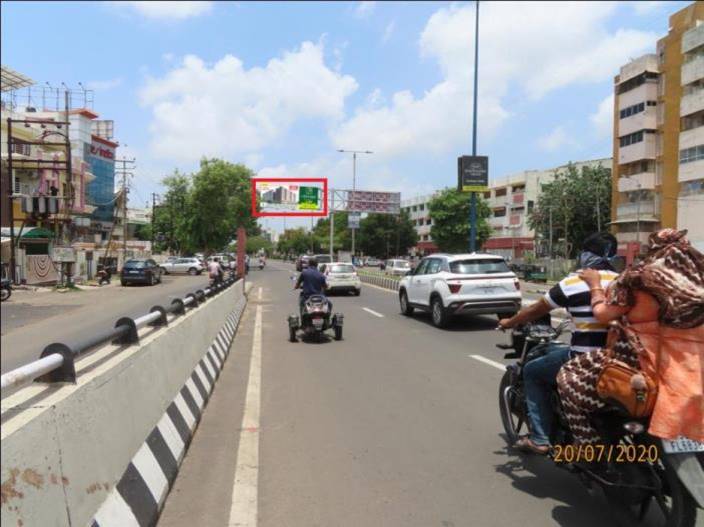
(354, 182)
(473, 198)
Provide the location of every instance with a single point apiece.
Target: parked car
(341, 276)
(397, 267)
(191, 266)
(140, 271)
(372, 262)
(448, 285)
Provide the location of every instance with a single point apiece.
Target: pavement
(397, 424)
(31, 320)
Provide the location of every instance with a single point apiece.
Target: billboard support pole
(332, 229)
(473, 199)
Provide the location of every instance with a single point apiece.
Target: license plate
(682, 444)
(133, 272)
(317, 322)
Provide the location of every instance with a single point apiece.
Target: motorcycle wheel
(5, 294)
(512, 423)
(292, 335)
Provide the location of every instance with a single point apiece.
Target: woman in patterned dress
(660, 307)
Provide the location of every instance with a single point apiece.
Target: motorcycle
(639, 471)
(5, 289)
(261, 265)
(314, 320)
(103, 276)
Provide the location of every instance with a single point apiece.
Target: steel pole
(10, 190)
(354, 187)
(331, 234)
(473, 198)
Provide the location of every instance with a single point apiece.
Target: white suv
(452, 284)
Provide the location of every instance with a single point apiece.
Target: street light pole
(473, 197)
(354, 184)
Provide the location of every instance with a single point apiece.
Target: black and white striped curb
(137, 499)
(380, 281)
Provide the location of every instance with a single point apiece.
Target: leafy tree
(384, 235)
(579, 202)
(342, 236)
(294, 241)
(449, 212)
(170, 217)
(143, 232)
(255, 243)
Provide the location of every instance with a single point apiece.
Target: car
(372, 262)
(322, 258)
(140, 271)
(448, 285)
(190, 265)
(341, 276)
(397, 267)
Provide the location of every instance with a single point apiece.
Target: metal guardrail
(386, 282)
(57, 360)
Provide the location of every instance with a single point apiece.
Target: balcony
(645, 92)
(644, 149)
(643, 180)
(646, 120)
(646, 210)
(692, 70)
(690, 138)
(692, 103)
(691, 171)
(693, 38)
(634, 68)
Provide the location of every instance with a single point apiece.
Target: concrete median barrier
(105, 451)
(379, 280)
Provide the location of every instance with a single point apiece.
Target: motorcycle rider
(572, 293)
(215, 270)
(311, 282)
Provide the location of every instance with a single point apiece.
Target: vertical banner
(241, 251)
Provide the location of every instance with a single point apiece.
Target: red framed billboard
(301, 197)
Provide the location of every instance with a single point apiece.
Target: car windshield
(492, 266)
(135, 264)
(323, 258)
(342, 268)
(402, 263)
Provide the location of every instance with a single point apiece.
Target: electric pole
(125, 172)
(473, 198)
(154, 196)
(351, 203)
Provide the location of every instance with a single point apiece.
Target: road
(397, 424)
(32, 320)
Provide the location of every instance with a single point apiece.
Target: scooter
(635, 470)
(5, 289)
(314, 320)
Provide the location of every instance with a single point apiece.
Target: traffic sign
(472, 173)
(353, 220)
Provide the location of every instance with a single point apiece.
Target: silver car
(190, 266)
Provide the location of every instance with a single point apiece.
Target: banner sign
(63, 254)
(353, 219)
(289, 197)
(472, 173)
(378, 202)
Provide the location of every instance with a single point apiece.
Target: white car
(341, 276)
(453, 284)
(191, 266)
(397, 267)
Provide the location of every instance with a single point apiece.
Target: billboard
(371, 201)
(472, 173)
(289, 197)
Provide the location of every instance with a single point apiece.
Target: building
(658, 162)
(418, 212)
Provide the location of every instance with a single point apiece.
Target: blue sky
(279, 86)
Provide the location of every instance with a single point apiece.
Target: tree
(256, 243)
(449, 213)
(294, 241)
(384, 235)
(579, 202)
(143, 232)
(170, 217)
(342, 236)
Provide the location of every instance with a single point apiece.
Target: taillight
(517, 284)
(454, 288)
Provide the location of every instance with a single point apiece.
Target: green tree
(576, 203)
(170, 216)
(256, 243)
(143, 232)
(449, 212)
(342, 236)
(295, 241)
(385, 235)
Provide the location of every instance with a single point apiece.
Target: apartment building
(658, 161)
(417, 209)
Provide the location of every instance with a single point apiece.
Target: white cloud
(603, 118)
(528, 47)
(226, 109)
(556, 140)
(644, 7)
(364, 9)
(168, 10)
(104, 85)
(388, 31)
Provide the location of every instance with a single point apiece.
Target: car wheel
(192, 271)
(292, 335)
(357, 292)
(438, 313)
(123, 283)
(406, 307)
(152, 280)
(163, 270)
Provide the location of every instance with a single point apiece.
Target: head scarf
(673, 272)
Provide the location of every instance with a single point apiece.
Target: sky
(281, 86)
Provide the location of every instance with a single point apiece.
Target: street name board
(63, 254)
(472, 173)
(353, 219)
(374, 202)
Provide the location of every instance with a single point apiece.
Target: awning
(29, 232)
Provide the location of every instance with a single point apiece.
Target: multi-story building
(658, 162)
(417, 209)
(511, 200)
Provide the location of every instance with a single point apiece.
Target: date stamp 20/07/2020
(621, 453)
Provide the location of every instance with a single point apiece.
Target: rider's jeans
(539, 377)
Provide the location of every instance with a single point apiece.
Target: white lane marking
(490, 362)
(115, 511)
(146, 464)
(373, 312)
(243, 511)
(259, 294)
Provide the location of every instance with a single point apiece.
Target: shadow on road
(461, 323)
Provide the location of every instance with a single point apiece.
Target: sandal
(525, 444)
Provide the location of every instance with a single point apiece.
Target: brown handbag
(614, 385)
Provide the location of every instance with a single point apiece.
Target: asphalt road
(32, 320)
(397, 424)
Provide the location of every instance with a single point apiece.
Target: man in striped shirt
(571, 293)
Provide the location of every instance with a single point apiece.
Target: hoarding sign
(289, 197)
(63, 254)
(374, 202)
(472, 173)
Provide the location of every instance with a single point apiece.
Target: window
(342, 268)
(415, 208)
(500, 213)
(695, 153)
(421, 206)
(651, 103)
(500, 192)
(518, 188)
(635, 137)
(531, 204)
(488, 266)
(487, 194)
(434, 266)
(422, 266)
(632, 110)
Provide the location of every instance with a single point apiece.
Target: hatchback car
(341, 276)
(456, 284)
(140, 271)
(192, 266)
(397, 267)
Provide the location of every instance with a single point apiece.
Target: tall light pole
(473, 197)
(354, 181)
